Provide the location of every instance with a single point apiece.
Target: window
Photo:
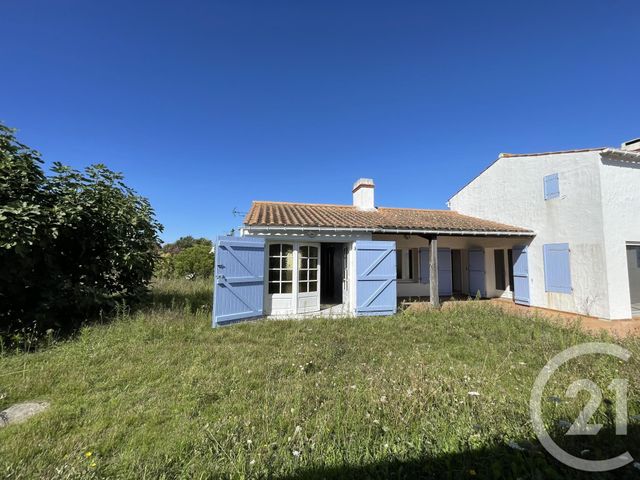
(308, 269)
(557, 271)
(280, 268)
(407, 265)
(498, 263)
(551, 186)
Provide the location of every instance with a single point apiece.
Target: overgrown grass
(158, 393)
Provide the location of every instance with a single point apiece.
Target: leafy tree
(196, 261)
(71, 243)
(183, 243)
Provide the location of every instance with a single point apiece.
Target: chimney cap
(633, 144)
(363, 183)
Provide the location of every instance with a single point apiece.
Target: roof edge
(478, 233)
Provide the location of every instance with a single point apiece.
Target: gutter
(264, 228)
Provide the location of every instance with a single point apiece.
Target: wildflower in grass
(473, 394)
(92, 464)
(88, 454)
(472, 472)
(296, 453)
(383, 399)
(252, 462)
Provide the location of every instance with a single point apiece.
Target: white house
(559, 230)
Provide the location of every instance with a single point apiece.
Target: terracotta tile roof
(283, 214)
(557, 152)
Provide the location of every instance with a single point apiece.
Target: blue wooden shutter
(445, 278)
(375, 277)
(238, 279)
(551, 186)
(520, 275)
(425, 272)
(477, 272)
(557, 271)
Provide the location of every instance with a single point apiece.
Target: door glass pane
(274, 250)
(274, 275)
(313, 286)
(304, 251)
(313, 274)
(303, 275)
(313, 252)
(313, 263)
(274, 262)
(286, 287)
(302, 286)
(274, 287)
(287, 275)
(287, 262)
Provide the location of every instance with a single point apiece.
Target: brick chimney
(363, 191)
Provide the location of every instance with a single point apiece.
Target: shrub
(71, 243)
(186, 257)
(196, 261)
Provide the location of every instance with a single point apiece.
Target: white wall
(511, 191)
(621, 206)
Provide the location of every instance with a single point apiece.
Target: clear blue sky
(208, 105)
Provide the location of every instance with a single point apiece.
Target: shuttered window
(557, 270)
(551, 186)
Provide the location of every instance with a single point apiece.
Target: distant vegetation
(187, 257)
(72, 244)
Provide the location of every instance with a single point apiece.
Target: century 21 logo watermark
(581, 426)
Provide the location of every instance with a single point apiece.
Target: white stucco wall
(621, 206)
(511, 191)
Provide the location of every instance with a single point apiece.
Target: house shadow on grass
(524, 459)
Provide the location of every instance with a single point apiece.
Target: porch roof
(305, 216)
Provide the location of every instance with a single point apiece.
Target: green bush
(194, 261)
(186, 257)
(71, 244)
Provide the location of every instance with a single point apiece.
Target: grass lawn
(158, 393)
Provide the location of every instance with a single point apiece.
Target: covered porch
(436, 267)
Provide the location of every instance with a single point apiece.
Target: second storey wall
(621, 207)
(512, 191)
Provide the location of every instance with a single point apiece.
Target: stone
(20, 412)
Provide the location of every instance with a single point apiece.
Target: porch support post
(433, 272)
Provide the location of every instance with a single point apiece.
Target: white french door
(293, 273)
(308, 278)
